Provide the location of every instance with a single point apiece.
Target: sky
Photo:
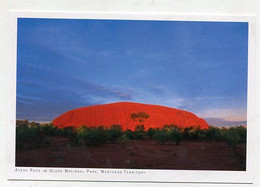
(63, 64)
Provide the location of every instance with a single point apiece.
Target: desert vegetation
(166, 147)
(33, 135)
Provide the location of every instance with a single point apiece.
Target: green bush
(28, 137)
(91, 136)
(161, 135)
(185, 132)
(115, 132)
(139, 132)
(150, 132)
(129, 134)
(97, 136)
(123, 140)
(80, 135)
(169, 127)
(194, 133)
(201, 134)
(241, 131)
(21, 136)
(50, 130)
(68, 132)
(234, 136)
(175, 135)
(231, 138)
(214, 133)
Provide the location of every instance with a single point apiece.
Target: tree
(175, 135)
(140, 117)
(115, 132)
(139, 129)
(161, 135)
(233, 136)
(139, 132)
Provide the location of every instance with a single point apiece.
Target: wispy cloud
(28, 97)
(204, 98)
(218, 122)
(71, 92)
(78, 83)
(229, 114)
(25, 102)
(40, 67)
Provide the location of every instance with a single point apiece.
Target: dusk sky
(200, 67)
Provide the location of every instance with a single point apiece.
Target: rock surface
(120, 113)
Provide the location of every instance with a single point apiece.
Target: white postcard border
(140, 175)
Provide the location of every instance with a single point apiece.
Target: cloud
(59, 91)
(218, 122)
(205, 98)
(72, 82)
(40, 67)
(229, 114)
(25, 102)
(45, 111)
(28, 97)
(158, 89)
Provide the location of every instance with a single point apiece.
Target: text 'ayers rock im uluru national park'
(126, 115)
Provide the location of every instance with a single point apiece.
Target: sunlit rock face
(122, 114)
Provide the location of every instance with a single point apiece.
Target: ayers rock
(120, 113)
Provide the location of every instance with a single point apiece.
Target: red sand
(136, 154)
(119, 114)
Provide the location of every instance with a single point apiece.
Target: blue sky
(64, 64)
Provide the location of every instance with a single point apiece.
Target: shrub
(175, 135)
(161, 135)
(28, 137)
(50, 130)
(139, 132)
(21, 136)
(129, 134)
(241, 131)
(233, 136)
(186, 132)
(169, 127)
(91, 136)
(123, 140)
(97, 136)
(200, 134)
(213, 133)
(194, 133)
(81, 134)
(115, 132)
(150, 132)
(68, 132)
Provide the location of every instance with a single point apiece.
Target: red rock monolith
(120, 114)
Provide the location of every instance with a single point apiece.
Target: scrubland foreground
(98, 147)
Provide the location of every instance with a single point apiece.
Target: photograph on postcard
(131, 95)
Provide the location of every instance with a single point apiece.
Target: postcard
(123, 97)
